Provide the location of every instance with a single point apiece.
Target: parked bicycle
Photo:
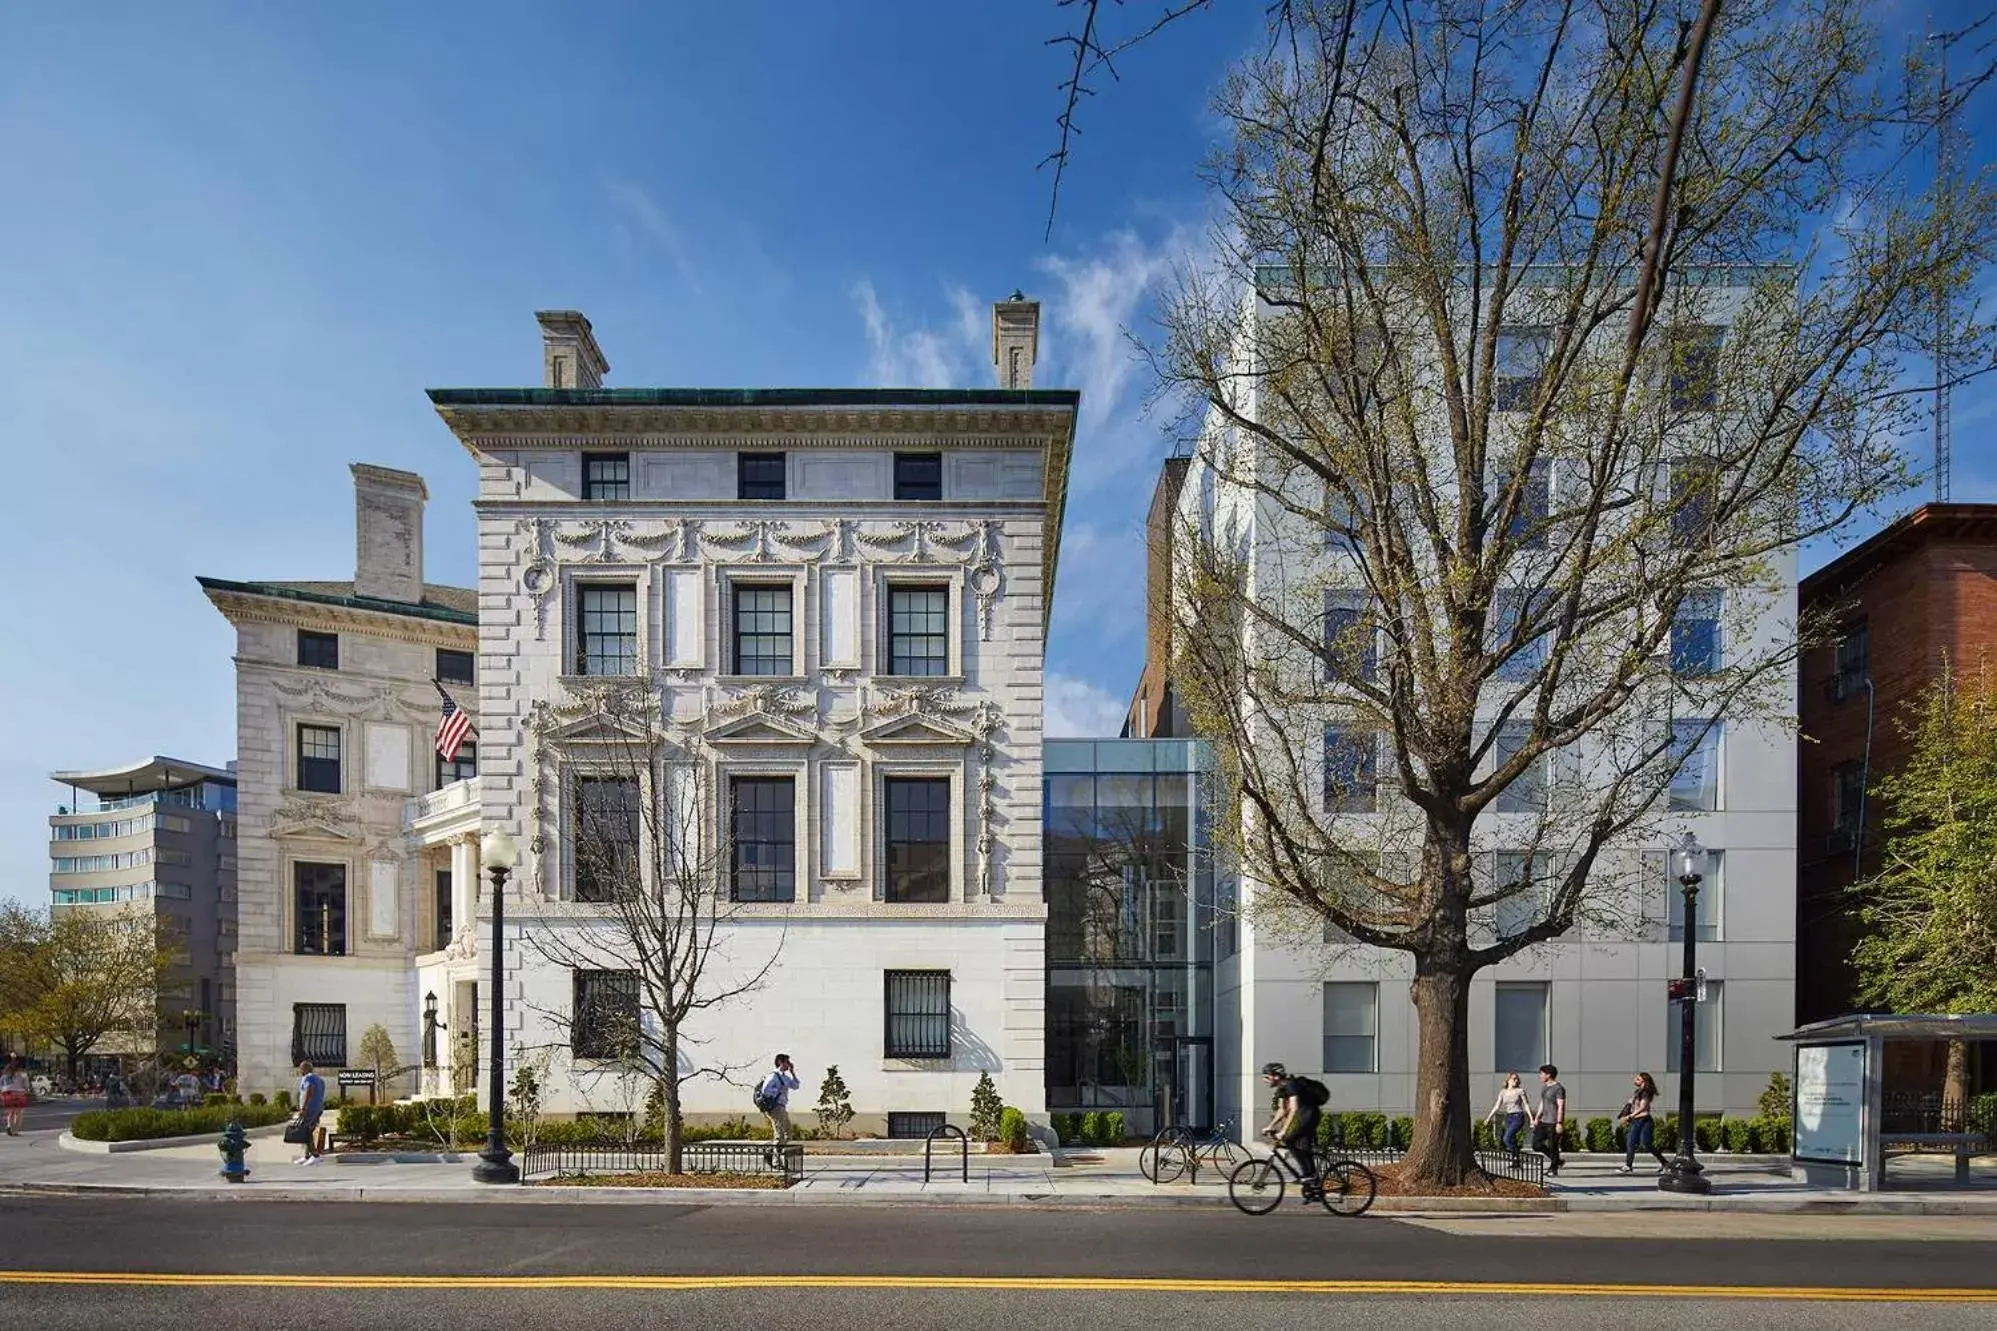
(1178, 1150)
(1345, 1187)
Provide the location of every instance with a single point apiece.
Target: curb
(69, 1143)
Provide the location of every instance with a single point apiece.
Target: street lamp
(495, 1161)
(1686, 1174)
(430, 1030)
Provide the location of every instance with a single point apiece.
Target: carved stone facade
(668, 535)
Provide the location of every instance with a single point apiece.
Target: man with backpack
(1298, 1100)
(772, 1098)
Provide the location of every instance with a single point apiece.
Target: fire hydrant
(232, 1146)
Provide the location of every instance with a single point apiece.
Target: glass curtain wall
(1130, 920)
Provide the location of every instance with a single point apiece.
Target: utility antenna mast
(1944, 122)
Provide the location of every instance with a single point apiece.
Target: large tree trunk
(1955, 1087)
(1442, 1153)
(669, 1082)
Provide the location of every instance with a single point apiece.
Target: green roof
(757, 397)
(432, 606)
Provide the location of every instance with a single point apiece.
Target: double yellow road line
(1042, 1284)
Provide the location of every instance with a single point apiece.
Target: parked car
(41, 1085)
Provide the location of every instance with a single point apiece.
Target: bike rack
(963, 1149)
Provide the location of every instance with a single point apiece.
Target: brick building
(1921, 591)
(1155, 711)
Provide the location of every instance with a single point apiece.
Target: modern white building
(335, 711)
(834, 604)
(1593, 1002)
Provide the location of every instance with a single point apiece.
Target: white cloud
(920, 357)
(649, 218)
(1077, 708)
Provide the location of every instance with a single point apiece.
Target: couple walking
(1549, 1118)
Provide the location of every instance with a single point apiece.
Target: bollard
(232, 1146)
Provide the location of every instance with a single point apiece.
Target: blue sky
(241, 241)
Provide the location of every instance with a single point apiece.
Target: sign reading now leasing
(356, 1077)
(1830, 1103)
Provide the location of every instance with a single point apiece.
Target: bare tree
(654, 929)
(1491, 499)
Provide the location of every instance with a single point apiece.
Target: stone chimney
(570, 357)
(1015, 340)
(388, 533)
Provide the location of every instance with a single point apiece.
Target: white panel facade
(388, 756)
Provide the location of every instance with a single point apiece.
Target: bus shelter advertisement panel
(1830, 1103)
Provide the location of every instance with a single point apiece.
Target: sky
(238, 242)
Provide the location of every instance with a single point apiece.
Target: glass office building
(1131, 888)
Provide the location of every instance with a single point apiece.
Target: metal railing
(1928, 1113)
(1526, 1167)
(963, 1149)
(621, 1157)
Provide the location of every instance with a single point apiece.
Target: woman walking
(1513, 1105)
(15, 1092)
(1639, 1128)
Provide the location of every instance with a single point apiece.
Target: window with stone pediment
(918, 630)
(319, 759)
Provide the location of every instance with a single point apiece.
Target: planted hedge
(131, 1125)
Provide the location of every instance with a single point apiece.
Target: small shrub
(1402, 1132)
(258, 1098)
(1667, 1134)
(1772, 1135)
(835, 1104)
(1741, 1137)
(1067, 1128)
(1601, 1135)
(1092, 1128)
(283, 1099)
(1112, 1128)
(357, 1123)
(986, 1110)
(214, 1098)
(1776, 1101)
(1012, 1133)
(129, 1125)
(1330, 1129)
(1485, 1134)
(1706, 1134)
(1570, 1135)
(1367, 1129)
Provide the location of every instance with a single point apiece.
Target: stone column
(464, 882)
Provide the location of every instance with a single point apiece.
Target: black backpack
(764, 1102)
(1313, 1092)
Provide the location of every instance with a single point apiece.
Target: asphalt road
(258, 1264)
(49, 1115)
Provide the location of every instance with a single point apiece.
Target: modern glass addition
(1695, 746)
(918, 839)
(763, 633)
(606, 476)
(759, 475)
(319, 896)
(917, 1007)
(607, 629)
(319, 651)
(918, 630)
(763, 827)
(319, 759)
(1520, 1043)
(918, 476)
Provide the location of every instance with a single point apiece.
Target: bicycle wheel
(1256, 1186)
(1349, 1187)
(1163, 1162)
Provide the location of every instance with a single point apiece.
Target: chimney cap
(567, 324)
(366, 473)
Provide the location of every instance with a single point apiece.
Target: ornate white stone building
(836, 602)
(335, 710)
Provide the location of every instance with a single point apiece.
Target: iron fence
(1928, 1113)
(621, 1157)
(1526, 1167)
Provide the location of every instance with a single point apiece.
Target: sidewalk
(1104, 1178)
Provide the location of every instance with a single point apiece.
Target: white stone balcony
(435, 818)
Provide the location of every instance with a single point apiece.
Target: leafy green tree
(1930, 912)
(835, 1104)
(986, 1109)
(76, 977)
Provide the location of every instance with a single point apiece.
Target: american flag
(452, 727)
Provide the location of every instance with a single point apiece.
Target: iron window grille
(319, 759)
(918, 839)
(319, 894)
(606, 476)
(918, 630)
(1351, 770)
(759, 475)
(607, 630)
(605, 855)
(604, 1021)
(461, 768)
(918, 476)
(918, 1014)
(763, 818)
(319, 651)
(905, 1125)
(1854, 662)
(763, 631)
(319, 1034)
(455, 667)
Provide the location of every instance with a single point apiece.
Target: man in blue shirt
(311, 1104)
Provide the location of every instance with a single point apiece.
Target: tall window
(1351, 1027)
(607, 629)
(1520, 1045)
(918, 476)
(917, 1010)
(455, 667)
(1515, 871)
(606, 837)
(1854, 662)
(1847, 803)
(1695, 746)
(1694, 382)
(442, 908)
(763, 631)
(1694, 497)
(918, 839)
(320, 651)
(319, 759)
(1521, 360)
(1508, 616)
(1707, 1023)
(763, 818)
(603, 1020)
(1695, 634)
(1712, 892)
(1527, 528)
(461, 768)
(759, 475)
(319, 1034)
(319, 896)
(918, 630)
(1527, 791)
(606, 476)
(1351, 646)
(1351, 770)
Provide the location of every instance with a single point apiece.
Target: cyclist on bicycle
(1295, 1123)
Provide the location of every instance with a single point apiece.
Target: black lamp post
(430, 1030)
(1686, 1174)
(495, 1162)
